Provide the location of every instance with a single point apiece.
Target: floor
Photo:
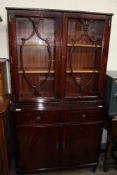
(83, 171)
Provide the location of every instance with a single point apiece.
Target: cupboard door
(36, 147)
(37, 53)
(81, 143)
(84, 55)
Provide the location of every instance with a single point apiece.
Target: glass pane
(82, 84)
(36, 56)
(83, 57)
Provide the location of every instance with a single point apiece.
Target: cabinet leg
(19, 173)
(107, 156)
(94, 168)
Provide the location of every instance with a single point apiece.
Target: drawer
(36, 118)
(81, 116)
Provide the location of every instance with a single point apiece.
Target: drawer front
(86, 115)
(36, 118)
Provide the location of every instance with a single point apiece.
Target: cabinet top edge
(58, 10)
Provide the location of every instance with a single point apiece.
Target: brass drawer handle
(83, 115)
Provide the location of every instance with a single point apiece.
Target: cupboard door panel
(36, 147)
(81, 144)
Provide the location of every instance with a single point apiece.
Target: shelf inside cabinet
(34, 44)
(35, 71)
(69, 45)
(52, 71)
(84, 45)
(83, 71)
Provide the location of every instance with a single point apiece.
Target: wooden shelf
(69, 45)
(35, 71)
(83, 71)
(34, 44)
(84, 45)
(52, 71)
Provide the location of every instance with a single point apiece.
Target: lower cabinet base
(90, 165)
(57, 140)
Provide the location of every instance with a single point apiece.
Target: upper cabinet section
(57, 54)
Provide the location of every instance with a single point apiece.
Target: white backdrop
(109, 6)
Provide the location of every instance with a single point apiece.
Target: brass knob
(83, 115)
(38, 117)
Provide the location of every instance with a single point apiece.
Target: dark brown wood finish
(58, 112)
(45, 126)
(56, 131)
(110, 158)
(78, 127)
(3, 139)
(12, 23)
(64, 55)
(104, 55)
(12, 51)
(40, 146)
(3, 88)
(4, 103)
(84, 140)
(61, 57)
(101, 58)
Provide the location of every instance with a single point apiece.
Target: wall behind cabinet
(82, 5)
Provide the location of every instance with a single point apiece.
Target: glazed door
(84, 56)
(37, 52)
(80, 144)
